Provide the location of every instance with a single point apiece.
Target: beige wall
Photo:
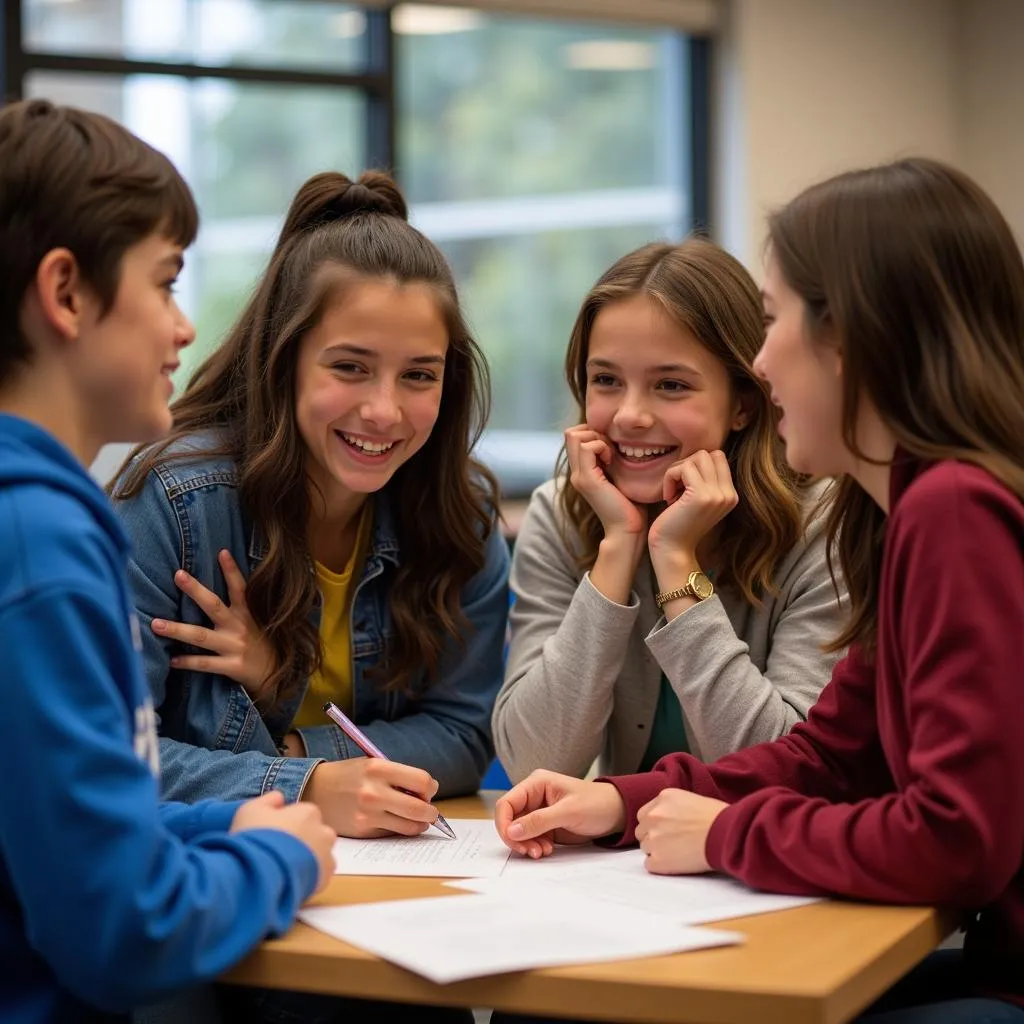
(991, 131)
(806, 88)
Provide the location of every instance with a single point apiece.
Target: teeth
(640, 453)
(370, 447)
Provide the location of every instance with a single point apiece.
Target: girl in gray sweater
(672, 587)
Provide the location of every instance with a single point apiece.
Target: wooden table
(813, 965)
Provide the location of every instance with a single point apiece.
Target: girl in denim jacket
(315, 529)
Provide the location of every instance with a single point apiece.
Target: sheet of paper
(621, 881)
(448, 939)
(570, 858)
(476, 852)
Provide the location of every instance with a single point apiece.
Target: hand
(363, 797)
(673, 830)
(242, 652)
(303, 821)
(548, 808)
(700, 494)
(588, 453)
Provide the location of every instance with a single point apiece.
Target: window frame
(377, 83)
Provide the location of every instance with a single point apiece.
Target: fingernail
(175, 662)
(159, 624)
(516, 831)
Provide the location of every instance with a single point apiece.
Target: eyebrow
(606, 364)
(368, 353)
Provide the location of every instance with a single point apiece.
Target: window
(533, 151)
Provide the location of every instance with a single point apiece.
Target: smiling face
(123, 359)
(805, 377)
(656, 392)
(368, 385)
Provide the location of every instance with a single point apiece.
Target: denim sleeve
(449, 731)
(187, 772)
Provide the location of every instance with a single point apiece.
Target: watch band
(665, 596)
(690, 590)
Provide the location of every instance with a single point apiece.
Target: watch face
(702, 586)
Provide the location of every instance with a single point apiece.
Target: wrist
(616, 820)
(618, 556)
(622, 547)
(293, 745)
(672, 568)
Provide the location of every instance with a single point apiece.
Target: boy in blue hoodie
(108, 899)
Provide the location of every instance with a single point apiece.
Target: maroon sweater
(906, 782)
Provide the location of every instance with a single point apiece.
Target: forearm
(554, 708)
(728, 702)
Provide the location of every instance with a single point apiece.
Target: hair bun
(332, 196)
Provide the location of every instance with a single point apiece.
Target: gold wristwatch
(697, 585)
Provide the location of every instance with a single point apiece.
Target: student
(315, 529)
(109, 899)
(608, 654)
(895, 347)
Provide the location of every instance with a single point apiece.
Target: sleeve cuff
(608, 606)
(635, 790)
(709, 616)
(714, 845)
(290, 775)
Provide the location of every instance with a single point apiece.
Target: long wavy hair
(338, 232)
(912, 270)
(705, 290)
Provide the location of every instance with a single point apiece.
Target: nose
(632, 413)
(185, 333)
(381, 408)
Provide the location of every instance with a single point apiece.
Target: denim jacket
(213, 740)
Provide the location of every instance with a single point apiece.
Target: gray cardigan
(584, 673)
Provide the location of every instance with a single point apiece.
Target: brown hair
(338, 231)
(912, 270)
(706, 290)
(77, 180)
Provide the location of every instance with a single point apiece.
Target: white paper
(620, 880)
(448, 939)
(476, 852)
(569, 858)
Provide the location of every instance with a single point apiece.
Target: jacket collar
(383, 541)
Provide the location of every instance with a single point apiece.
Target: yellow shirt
(334, 680)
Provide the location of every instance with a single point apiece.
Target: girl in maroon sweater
(894, 307)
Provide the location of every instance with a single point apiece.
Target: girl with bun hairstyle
(314, 529)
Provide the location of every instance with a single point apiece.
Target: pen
(370, 749)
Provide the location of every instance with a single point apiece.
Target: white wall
(806, 88)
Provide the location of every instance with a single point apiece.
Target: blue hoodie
(108, 899)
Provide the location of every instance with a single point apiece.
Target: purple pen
(370, 749)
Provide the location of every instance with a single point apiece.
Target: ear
(59, 293)
(743, 409)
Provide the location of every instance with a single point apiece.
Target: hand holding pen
(373, 752)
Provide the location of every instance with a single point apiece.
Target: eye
(350, 368)
(603, 380)
(674, 387)
(170, 286)
(768, 320)
(421, 376)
